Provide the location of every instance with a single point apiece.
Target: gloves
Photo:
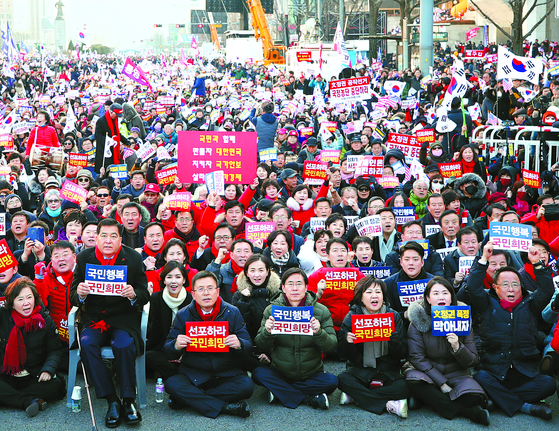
(40, 270)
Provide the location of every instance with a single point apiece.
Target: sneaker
(398, 408)
(271, 397)
(546, 365)
(541, 411)
(319, 402)
(346, 399)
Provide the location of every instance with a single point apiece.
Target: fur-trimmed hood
(418, 316)
(273, 286)
(146, 217)
(294, 205)
(476, 179)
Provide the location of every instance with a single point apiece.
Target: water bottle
(159, 389)
(77, 399)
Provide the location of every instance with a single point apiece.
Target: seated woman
(312, 255)
(372, 378)
(440, 373)
(279, 251)
(173, 250)
(164, 306)
(32, 352)
(256, 285)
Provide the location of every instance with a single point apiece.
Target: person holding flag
(107, 127)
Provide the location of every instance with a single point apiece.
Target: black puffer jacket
(44, 349)
(475, 203)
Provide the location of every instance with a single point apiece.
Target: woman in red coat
(302, 205)
(43, 135)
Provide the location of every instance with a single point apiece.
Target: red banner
(408, 144)
(179, 201)
(492, 58)
(425, 135)
(166, 176)
(306, 131)
(389, 182)
(77, 159)
(370, 166)
(259, 230)
(345, 90)
(7, 259)
(304, 56)
(474, 54)
(448, 170)
(470, 34)
(372, 327)
(73, 193)
(316, 172)
(6, 140)
(200, 153)
(207, 336)
(531, 178)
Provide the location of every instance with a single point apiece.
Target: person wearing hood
(439, 372)
(14, 204)
(392, 157)
(472, 192)
(169, 136)
(504, 180)
(373, 361)
(302, 205)
(367, 188)
(43, 136)
(132, 119)
(434, 153)
(266, 125)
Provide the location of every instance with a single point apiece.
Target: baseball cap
(282, 131)
(311, 142)
(117, 109)
(288, 173)
(154, 188)
(293, 133)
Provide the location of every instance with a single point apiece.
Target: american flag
(407, 175)
(387, 101)
(507, 84)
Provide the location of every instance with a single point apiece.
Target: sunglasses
(83, 180)
(103, 195)
(437, 182)
(364, 189)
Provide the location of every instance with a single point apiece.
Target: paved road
(265, 417)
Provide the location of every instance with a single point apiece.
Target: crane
(272, 53)
(215, 39)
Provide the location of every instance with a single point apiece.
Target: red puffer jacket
(43, 136)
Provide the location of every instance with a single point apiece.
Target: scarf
(150, 208)
(529, 268)
(151, 253)
(193, 235)
(15, 355)
(507, 305)
(384, 249)
(54, 213)
(174, 303)
(487, 281)
(374, 350)
(241, 229)
(468, 167)
(215, 252)
(421, 276)
(281, 260)
(214, 312)
(103, 260)
(419, 204)
(64, 279)
(113, 127)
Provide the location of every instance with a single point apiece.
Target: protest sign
(372, 327)
(330, 156)
(448, 170)
(207, 336)
(292, 320)
(474, 54)
(510, 236)
(341, 278)
(315, 172)
(259, 230)
(352, 162)
(179, 201)
(404, 214)
(77, 159)
(331, 126)
(431, 229)
(7, 259)
(370, 225)
(317, 223)
(444, 252)
(215, 181)
(200, 153)
(166, 176)
(6, 140)
(369, 166)
(425, 135)
(408, 144)
(145, 151)
(3, 224)
(105, 280)
(531, 178)
(380, 272)
(389, 182)
(411, 291)
(465, 264)
(5, 170)
(349, 90)
(422, 242)
(451, 319)
(269, 154)
(118, 171)
(73, 193)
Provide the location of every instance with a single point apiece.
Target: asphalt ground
(159, 417)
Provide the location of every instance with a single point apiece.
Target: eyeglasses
(514, 285)
(184, 220)
(364, 189)
(53, 201)
(420, 188)
(205, 289)
(68, 143)
(102, 195)
(279, 218)
(292, 284)
(223, 238)
(83, 180)
(376, 207)
(3, 196)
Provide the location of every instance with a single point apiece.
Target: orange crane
(272, 53)
(215, 39)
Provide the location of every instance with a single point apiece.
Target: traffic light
(200, 25)
(158, 25)
(179, 26)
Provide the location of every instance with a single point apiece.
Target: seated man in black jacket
(468, 245)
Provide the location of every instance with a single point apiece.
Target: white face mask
(437, 187)
(499, 93)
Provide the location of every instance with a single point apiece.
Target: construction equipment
(215, 39)
(272, 53)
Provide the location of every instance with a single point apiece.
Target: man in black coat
(468, 245)
(446, 237)
(107, 125)
(111, 320)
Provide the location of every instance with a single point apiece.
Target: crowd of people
(196, 265)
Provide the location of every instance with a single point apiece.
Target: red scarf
(113, 127)
(237, 270)
(507, 305)
(468, 167)
(66, 277)
(103, 260)
(168, 224)
(227, 257)
(150, 252)
(15, 355)
(213, 314)
(488, 281)
(529, 268)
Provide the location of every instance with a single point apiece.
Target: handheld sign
(451, 320)
(292, 320)
(425, 135)
(207, 336)
(3, 224)
(119, 171)
(145, 151)
(411, 291)
(465, 264)
(510, 236)
(422, 242)
(269, 154)
(7, 259)
(431, 229)
(370, 166)
(315, 172)
(341, 278)
(216, 181)
(370, 225)
(404, 214)
(73, 192)
(448, 170)
(380, 272)
(317, 223)
(259, 230)
(372, 327)
(166, 176)
(330, 156)
(77, 159)
(389, 182)
(531, 178)
(105, 280)
(179, 201)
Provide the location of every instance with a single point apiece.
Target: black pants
(441, 403)
(373, 400)
(158, 362)
(18, 392)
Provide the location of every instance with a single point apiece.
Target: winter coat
(226, 276)
(132, 119)
(477, 202)
(388, 365)
(44, 137)
(266, 126)
(433, 264)
(509, 339)
(433, 360)
(202, 367)
(252, 306)
(293, 262)
(298, 357)
(44, 349)
(392, 288)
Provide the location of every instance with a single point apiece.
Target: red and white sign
(470, 34)
(77, 159)
(207, 336)
(370, 166)
(531, 178)
(425, 135)
(316, 172)
(408, 144)
(7, 259)
(474, 54)
(166, 176)
(259, 230)
(73, 193)
(448, 170)
(346, 90)
(179, 201)
(372, 327)
(492, 58)
(304, 56)
(330, 156)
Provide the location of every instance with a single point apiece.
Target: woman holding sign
(440, 366)
(372, 378)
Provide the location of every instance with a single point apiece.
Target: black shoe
(174, 404)
(130, 412)
(480, 416)
(488, 405)
(317, 401)
(112, 418)
(33, 409)
(414, 403)
(541, 411)
(546, 365)
(240, 409)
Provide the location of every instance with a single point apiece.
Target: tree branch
(491, 21)
(538, 23)
(525, 17)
